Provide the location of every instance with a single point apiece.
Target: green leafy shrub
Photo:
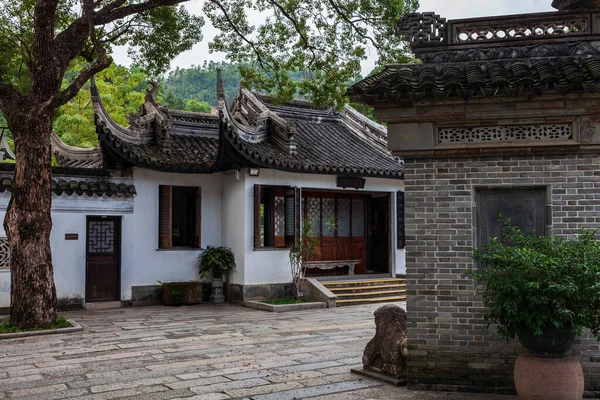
(530, 284)
(215, 261)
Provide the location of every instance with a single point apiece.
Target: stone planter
(548, 374)
(180, 293)
(538, 378)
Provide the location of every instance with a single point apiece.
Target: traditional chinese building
(137, 209)
(501, 116)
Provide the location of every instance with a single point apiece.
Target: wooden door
(103, 249)
(347, 240)
(358, 227)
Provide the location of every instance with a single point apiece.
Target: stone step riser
(338, 304)
(365, 283)
(371, 294)
(367, 289)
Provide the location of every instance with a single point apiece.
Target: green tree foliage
(326, 40)
(532, 283)
(122, 91)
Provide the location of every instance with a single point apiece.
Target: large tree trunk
(28, 222)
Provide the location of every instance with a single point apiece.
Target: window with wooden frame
(179, 217)
(276, 220)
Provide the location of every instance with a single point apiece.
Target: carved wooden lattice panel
(483, 134)
(4, 253)
(314, 214)
(328, 216)
(101, 236)
(279, 216)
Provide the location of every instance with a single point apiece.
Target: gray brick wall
(449, 348)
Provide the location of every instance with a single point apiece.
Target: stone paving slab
(204, 352)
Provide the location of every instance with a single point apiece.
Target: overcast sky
(450, 9)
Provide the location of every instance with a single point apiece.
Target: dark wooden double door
(339, 220)
(103, 260)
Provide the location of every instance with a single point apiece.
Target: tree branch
(113, 12)
(71, 91)
(8, 94)
(101, 63)
(357, 29)
(252, 45)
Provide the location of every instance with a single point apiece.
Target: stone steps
(367, 291)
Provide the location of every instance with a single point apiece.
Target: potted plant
(215, 261)
(544, 291)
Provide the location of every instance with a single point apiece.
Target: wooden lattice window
(275, 216)
(4, 253)
(179, 216)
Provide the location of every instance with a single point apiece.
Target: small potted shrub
(215, 261)
(542, 290)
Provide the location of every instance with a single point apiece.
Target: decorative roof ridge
(60, 148)
(174, 112)
(101, 115)
(372, 131)
(429, 32)
(253, 121)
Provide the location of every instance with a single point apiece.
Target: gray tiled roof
(294, 137)
(324, 144)
(490, 78)
(81, 186)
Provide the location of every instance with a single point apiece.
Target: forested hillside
(200, 82)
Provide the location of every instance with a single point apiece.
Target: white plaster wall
(234, 222)
(69, 216)
(149, 264)
(271, 266)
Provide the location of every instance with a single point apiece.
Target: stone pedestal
(217, 291)
(548, 378)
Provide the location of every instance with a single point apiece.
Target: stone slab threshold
(74, 328)
(392, 380)
(259, 305)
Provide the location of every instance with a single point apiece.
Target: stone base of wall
(70, 303)
(239, 293)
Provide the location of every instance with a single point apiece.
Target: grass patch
(6, 327)
(287, 300)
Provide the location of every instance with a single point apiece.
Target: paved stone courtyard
(207, 352)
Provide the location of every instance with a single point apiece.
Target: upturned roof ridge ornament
(423, 28)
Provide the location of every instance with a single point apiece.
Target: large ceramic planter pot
(548, 374)
(538, 378)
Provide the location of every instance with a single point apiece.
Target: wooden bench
(325, 265)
